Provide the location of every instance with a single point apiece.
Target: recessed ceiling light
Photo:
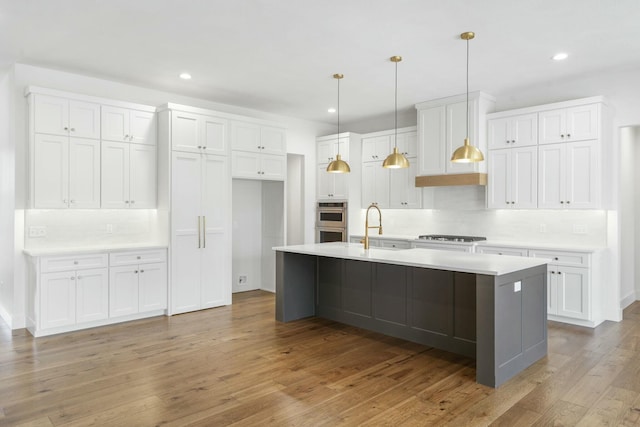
(560, 56)
(185, 76)
(331, 110)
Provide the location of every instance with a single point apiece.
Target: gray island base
(489, 307)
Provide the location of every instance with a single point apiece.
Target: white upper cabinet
(59, 116)
(516, 131)
(442, 128)
(408, 144)
(403, 193)
(127, 125)
(197, 133)
(376, 148)
(258, 152)
(570, 124)
(328, 148)
(66, 172)
(513, 178)
(569, 175)
(375, 184)
(128, 175)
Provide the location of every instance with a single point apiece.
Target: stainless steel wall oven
(331, 222)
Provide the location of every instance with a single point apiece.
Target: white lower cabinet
(138, 282)
(442, 246)
(78, 291)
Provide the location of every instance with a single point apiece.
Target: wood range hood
(451, 180)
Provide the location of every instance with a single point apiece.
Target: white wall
(295, 199)
(273, 230)
(247, 234)
(7, 155)
(636, 212)
(627, 215)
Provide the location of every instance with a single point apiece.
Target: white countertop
(90, 249)
(465, 262)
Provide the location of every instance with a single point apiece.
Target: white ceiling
(279, 55)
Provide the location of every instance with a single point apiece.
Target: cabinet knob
(568, 135)
(73, 129)
(562, 136)
(72, 201)
(79, 277)
(133, 201)
(199, 147)
(66, 128)
(562, 202)
(72, 278)
(141, 271)
(204, 147)
(126, 201)
(568, 201)
(126, 136)
(75, 262)
(135, 272)
(556, 258)
(138, 257)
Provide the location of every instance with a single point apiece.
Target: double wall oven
(331, 222)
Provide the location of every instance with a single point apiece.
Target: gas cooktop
(449, 238)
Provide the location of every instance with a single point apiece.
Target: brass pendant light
(396, 160)
(467, 153)
(338, 165)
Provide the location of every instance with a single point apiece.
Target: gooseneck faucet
(367, 227)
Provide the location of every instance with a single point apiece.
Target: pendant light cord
(467, 89)
(338, 136)
(396, 115)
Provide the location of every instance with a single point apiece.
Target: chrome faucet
(367, 227)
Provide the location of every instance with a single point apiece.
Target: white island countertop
(465, 262)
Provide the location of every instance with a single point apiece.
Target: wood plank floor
(236, 366)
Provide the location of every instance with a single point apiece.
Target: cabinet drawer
(443, 246)
(502, 250)
(562, 258)
(72, 262)
(399, 244)
(137, 257)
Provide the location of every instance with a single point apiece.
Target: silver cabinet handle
(199, 234)
(135, 272)
(204, 231)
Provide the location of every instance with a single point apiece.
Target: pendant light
(467, 153)
(396, 160)
(338, 165)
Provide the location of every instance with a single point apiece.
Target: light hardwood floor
(237, 366)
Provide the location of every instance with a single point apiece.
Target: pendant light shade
(396, 160)
(338, 165)
(467, 153)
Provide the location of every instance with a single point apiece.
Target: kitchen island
(489, 307)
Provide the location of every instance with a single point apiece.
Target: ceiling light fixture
(331, 110)
(560, 56)
(338, 165)
(185, 76)
(396, 160)
(467, 153)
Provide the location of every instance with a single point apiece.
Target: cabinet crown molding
(545, 107)
(36, 90)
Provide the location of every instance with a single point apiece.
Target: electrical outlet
(242, 280)
(37, 231)
(579, 229)
(517, 286)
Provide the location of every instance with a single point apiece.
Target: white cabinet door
(582, 122)
(84, 119)
(115, 175)
(376, 148)
(582, 175)
(92, 295)
(245, 137)
(123, 290)
(51, 115)
(499, 190)
(142, 127)
(375, 184)
(408, 145)
(51, 171)
(552, 126)
(58, 299)
(431, 138)
(273, 167)
(152, 287)
(499, 133)
(331, 185)
(214, 135)
(403, 193)
(572, 291)
(524, 177)
(456, 132)
(245, 164)
(84, 173)
(328, 149)
(185, 132)
(115, 124)
(273, 140)
(216, 259)
(551, 178)
(142, 176)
